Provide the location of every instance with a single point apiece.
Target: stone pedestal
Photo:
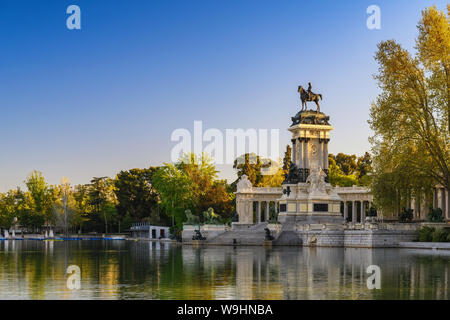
(308, 198)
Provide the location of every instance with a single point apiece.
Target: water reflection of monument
(142, 270)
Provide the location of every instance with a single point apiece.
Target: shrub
(435, 215)
(439, 235)
(426, 234)
(406, 215)
(372, 212)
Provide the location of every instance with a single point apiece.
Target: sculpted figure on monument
(306, 116)
(308, 95)
(316, 181)
(244, 183)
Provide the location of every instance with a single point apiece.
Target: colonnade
(266, 207)
(353, 215)
(441, 200)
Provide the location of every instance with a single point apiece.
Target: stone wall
(356, 238)
(209, 231)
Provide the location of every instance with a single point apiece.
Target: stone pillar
(354, 214)
(294, 151)
(267, 211)
(300, 156)
(305, 152)
(276, 207)
(325, 153)
(363, 212)
(423, 206)
(439, 198)
(435, 196)
(448, 204)
(443, 203)
(417, 206)
(345, 211)
(320, 152)
(258, 211)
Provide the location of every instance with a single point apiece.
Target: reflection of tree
(149, 270)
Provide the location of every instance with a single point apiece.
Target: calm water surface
(149, 270)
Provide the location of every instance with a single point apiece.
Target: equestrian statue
(308, 95)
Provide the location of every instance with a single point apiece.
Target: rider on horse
(309, 90)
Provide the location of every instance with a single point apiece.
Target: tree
(287, 160)
(82, 206)
(135, 193)
(336, 175)
(364, 169)
(42, 196)
(249, 164)
(410, 117)
(8, 208)
(207, 190)
(101, 194)
(346, 163)
(175, 191)
(25, 210)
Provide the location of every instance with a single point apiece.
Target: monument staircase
(253, 235)
(287, 236)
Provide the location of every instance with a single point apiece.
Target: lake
(152, 270)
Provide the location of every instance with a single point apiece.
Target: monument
(309, 210)
(308, 197)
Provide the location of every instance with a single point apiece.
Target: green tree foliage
(135, 193)
(262, 172)
(207, 190)
(410, 117)
(250, 165)
(348, 170)
(347, 163)
(176, 191)
(42, 198)
(8, 208)
(82, 205)
(364, 167)
(426, 234)
(287, 160)
(102, 198)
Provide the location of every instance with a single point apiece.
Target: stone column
(423, 206)
(320, 152)
(294, 151)
(258, 211)
(345, 211)
(448, 204)
(416, 207)
(325, 154)
(276, 207)
(267, 211)
(439, 198)
(435, 196)
(363, 212)
(354, 214)
(300, 157)
(305, 152)
(443, 203)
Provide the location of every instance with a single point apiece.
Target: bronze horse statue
(309, 96)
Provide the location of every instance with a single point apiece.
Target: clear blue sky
(91, 102)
